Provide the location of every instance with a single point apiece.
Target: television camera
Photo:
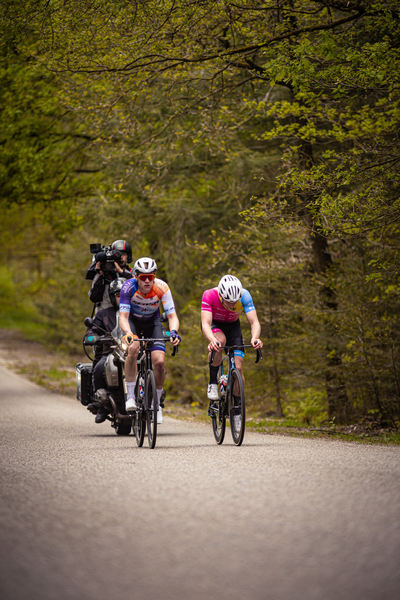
(106, 256)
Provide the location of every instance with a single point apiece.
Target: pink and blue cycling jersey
(212, 303)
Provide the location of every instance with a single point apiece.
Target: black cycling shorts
(149, 329)
(233, 334)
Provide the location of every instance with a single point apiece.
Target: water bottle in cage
(141, 387)
(222, 384)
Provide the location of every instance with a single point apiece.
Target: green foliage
(307, 406)
(42, 146)
(7, 286)
(255, 138)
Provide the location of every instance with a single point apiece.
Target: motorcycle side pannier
(84, 383)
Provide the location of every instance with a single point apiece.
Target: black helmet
(115, 286)
(123, 246)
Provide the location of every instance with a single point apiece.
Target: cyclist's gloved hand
(129, 338)
(174, 335)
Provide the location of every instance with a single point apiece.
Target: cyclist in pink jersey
(221, 308)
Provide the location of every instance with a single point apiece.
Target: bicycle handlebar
(258, 357)
(175, 350)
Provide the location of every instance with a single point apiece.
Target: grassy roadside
(361, 433)
(23, 321)
(55, 370)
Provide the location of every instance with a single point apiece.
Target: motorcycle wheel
(123, 429)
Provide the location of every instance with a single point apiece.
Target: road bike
(145, 415)
(231, 402)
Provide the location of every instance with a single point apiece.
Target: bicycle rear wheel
(139, 423)
(218, 421)
(237, 408)
(151, 406)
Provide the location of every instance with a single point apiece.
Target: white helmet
(145, 265)
(230, 288)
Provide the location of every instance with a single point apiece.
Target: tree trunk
(339, 409)
(279, 411)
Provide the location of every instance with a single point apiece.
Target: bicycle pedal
(213, 409)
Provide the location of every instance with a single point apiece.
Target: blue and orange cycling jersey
(146, 307)
(211, 303)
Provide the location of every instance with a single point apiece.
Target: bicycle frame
(145, 354)
(231, 403)
(230, 357)
(146, 395)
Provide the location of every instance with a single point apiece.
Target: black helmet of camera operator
(145, 265)
(123, 246)
(115, 287)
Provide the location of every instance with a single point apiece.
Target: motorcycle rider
(99, 291)
(104, 321)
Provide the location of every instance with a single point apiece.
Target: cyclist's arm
(124, 321)
(165, 295)
(255, 329)
(128, 289)
(206, 321)
(173, 323)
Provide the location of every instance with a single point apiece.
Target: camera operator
(108, 264)
(104, 321)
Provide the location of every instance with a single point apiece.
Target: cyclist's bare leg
(158, 361)
(131, 362)
(239, 365)
(218, 355)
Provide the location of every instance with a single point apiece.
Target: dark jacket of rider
(105, 320)
(98, 293)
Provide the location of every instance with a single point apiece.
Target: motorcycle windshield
(117, 332)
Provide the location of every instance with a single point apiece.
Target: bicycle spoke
(218, 419)
(151, 406)
(237, 412)
(219, 423)
(139, 423)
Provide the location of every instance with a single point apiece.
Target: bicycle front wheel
(139, 422)
(218, 421)
(237, 408)
(151, 406)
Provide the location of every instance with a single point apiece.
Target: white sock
(130, 389)
(159, 392)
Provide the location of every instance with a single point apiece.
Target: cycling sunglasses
(144, 276)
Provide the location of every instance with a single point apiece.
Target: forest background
(249, 137)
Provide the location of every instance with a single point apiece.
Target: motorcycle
(114, 396)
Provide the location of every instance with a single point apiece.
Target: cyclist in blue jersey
(140, 302)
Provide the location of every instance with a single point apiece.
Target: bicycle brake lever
(259, 356)
(212, 357)
(175, 351)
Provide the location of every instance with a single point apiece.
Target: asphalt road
(85, 514)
